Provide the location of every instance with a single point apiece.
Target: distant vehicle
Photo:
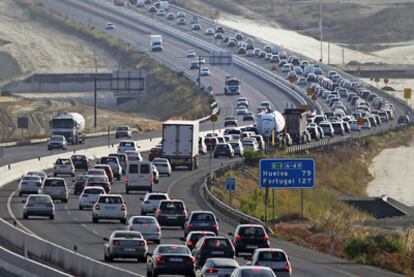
(113, 162)
(237, 147)
(80, 162)
(156, 43)
(218, 267)
(181, 21)
(170, 16)
(122, 158)
(201, 221)
(109, 206)
(184, 151)
(123, 132)
(195, 19)
(248, 237)
(212, 247)
(194, 236)
(250, 144)
(296, 122)
(171, 213)
(110, 26)
(220, 29)
(57, 142)
(209, 32)
(196, 27)
(69, 125)
(239, 37)
(148, 226)
(241, 111)
(202, 147)
(56, 188)
(163, 166)
(180, 14)
(191, 54)
(89, 196)
(231, 86)
(139, 176)
(165, 5)
(29, 185)
(151, 202)
(223, 150)
(155, 152)
(170, 259)
(120, 2)
(41, 174)
(253, 271)
(218, 36)
(108, 171)
(204, 71)
(152, 9)
(98, 181)
(64, 167)
(125, 244)
(79, 184)
(39, 205)
(230, 121)
(127, 145)
(267, 123)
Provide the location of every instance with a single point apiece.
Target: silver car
(148, 226)
(125, 244)
(89, 196)
(56, 188)
(64, 167)
(151, 201)
(218, 267)
(29, 184)
(38, 205)
(274, 258)
(163, 166)
(41, 174)
(253, 271)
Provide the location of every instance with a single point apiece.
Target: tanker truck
(69, 125)
(266, 123)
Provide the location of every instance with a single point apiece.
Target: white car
(148, 226)
(155, 174)
(110, 26)
(191, 54)
(96, 172)
(41, 174)
(161, 12)
(275, 258)
(250, 144)
(63, 167)
(218, 267)
(125, 145)
(110, 206)
(39, 205)
(163, 166)
(134, 155)
(241, 111)
(89, 196)
(151, 201)
(209, 32)
(29, 184)
(205, 71)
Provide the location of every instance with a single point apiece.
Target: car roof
(223, 261)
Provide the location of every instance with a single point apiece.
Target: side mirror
(105, 239)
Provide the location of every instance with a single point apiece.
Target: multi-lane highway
(73, 227)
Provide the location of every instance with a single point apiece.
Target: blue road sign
(1, 152)
(230, 183)
(287, 173)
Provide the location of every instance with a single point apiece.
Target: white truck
(165, 5)
(156, 43)
(266, 123)
(231, 86)
(69, 125)
(180, 143)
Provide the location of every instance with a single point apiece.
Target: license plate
(109, 208)
(217, 252)
(171, 217)
(251, 246)
(178, 260)
(129, 249)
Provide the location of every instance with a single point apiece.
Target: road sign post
(286, 174)
(230, 186)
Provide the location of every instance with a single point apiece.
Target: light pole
(321, 26)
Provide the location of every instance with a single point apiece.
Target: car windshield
(96, 172)
(39, 199)
(256, 272)
(93, 191)
(216, 243)
(95, 179)
(122, 129)
(173, 249)
(272, 256)
(127, 144)
(54, 183)
(31, 178)
(127, 235)
(110, 200)
(57, 138)
(202, 217)
(157, 197)
(63, 162)
(251, 231)
(198, 236)
(170, 205)
(144, 220)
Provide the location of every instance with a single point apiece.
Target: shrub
(252, 158)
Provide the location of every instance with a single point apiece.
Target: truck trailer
(180, 143)
(156, 43)
(69, 125)
(296, 122)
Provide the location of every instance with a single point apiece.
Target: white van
(139, 176)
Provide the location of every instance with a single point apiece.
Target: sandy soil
(310, 46)
(393, 172)
(30, 44)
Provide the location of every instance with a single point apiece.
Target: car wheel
(54, 174)
(143, 213)
(154, 273)
(157, 242)
(52, 217)
(110, 258)
(25, 216)
(95, 219)
(237, 253)
(80, 207)
(20, 194)
(118, 177)
(123, 221)
(65, 200)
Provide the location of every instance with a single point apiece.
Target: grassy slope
(163, 83)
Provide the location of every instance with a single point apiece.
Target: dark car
(248, 237)
(211, 143)
(194, 236)
(79, 184)
(98, 181)
(249, 116)
(171, 260)
(171, 213)
(115, 165)
(201, 221)
(212, 247)
(155, 152)
(223, 150)
(80, 162)
(123, 132)
(338, 128)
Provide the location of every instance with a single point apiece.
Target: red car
(79, 184)
(155, 152)
(99, 181)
